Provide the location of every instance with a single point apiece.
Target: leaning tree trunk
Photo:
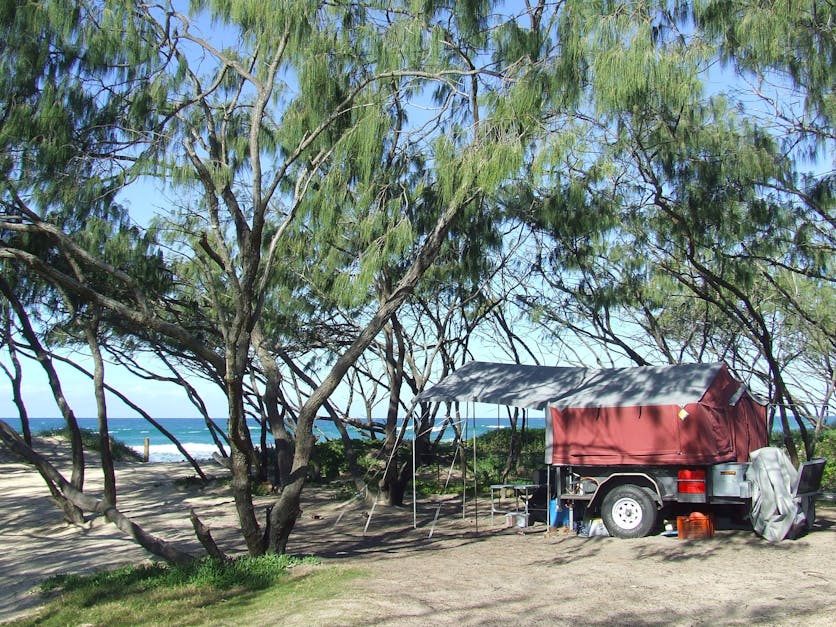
(105, 453)
(354, 468)
(348, 446)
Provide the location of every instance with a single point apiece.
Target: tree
(276, 146)
(683, 233)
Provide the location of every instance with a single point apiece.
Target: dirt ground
(467, 571)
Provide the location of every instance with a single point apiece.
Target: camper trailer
(628, 443)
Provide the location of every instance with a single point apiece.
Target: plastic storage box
(697, 526)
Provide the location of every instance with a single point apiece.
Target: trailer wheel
(628, 512)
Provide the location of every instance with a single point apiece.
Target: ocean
(196, 439)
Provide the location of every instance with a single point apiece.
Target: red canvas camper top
(689, 414)
(709, 420)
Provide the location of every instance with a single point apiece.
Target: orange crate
(697, 526)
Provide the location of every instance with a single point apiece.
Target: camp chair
(808, 486)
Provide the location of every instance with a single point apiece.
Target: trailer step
(576, 497)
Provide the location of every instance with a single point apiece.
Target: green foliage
(492, 450)
(498, 441)
(246, 572)
(793, 38)
(825, 447)
(329, 462)
(90, 439)
(492, 454)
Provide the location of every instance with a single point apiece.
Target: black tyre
(628, 512)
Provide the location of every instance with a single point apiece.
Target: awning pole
(548, 482)
(475, 487)
(463, 441)
(371, 513)
(414, 478)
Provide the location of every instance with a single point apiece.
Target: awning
(537, 386)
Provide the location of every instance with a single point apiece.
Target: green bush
(498, 441)
(240, 591)
(825, 447)
(90, 439)
(328, 461)
(247, 572)
(491, 456)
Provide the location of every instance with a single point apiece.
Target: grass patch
(206, 591)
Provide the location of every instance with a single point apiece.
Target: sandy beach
(469, 572)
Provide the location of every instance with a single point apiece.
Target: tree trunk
(16, 379)
(105, 454)
(204, 535)
(390, 484)
(281, 436)
(241, 468)
(348, 445)
(513, 458)
(350, 455)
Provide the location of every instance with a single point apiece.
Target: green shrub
(328, 461)
(90, 439)
(825, 447)
(206, 592)
(247, 572)
(491, 456)
(499, 441)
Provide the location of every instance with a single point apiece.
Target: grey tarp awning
(538, 386)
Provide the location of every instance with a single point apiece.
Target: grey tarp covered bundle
(777, 513)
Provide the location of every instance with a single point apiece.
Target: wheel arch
(640, 479)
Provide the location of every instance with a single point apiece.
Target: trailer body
(689, 444)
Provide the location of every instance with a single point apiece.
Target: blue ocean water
(194, 435)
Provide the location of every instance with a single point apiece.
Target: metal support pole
(414, 478)
(475, 486)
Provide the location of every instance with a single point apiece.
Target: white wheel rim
(627, 513)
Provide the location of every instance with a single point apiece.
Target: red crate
(697, 526)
